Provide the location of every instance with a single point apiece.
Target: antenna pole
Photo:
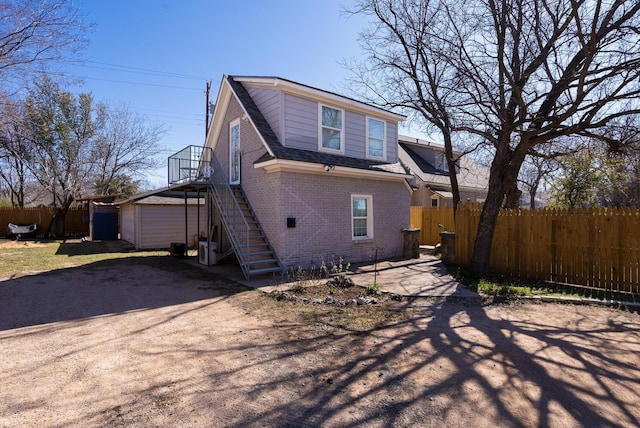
(206, 119)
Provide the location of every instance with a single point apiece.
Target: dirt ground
(138, 346)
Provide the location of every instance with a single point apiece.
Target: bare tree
(535, 171)
(527, 72)
(73, 146)
(36, 33)
(124, 147)
(62, 127)
(404, 70)
(13, 170)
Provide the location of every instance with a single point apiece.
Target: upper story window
(376, 141)
(331, 129)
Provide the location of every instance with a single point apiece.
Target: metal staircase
(250, 244)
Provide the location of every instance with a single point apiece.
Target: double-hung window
(376, 142)
(362, 217)
(331, 129)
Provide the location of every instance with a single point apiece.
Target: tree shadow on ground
(105, 288)
(79, 247)
(455, 365)
(449, 363)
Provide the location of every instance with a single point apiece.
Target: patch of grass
(29, 257)
(373, 289)
(510, 287)
(500, 289)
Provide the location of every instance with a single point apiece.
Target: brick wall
(320, 202)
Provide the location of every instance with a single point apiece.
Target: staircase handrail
(232, 215)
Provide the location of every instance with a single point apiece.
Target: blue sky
(156, 55)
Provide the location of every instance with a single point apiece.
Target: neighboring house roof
(164, 200)
(414, 154)
(276, 151)
(163, 196)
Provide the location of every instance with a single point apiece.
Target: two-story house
(301, 175)
(427, 163)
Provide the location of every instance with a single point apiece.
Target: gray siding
(127, 223)
(355, 135)
(301, 129)
(301, 123)
(268, 101)
(392, 142)
(160, 225)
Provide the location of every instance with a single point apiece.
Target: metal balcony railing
(190, 164)
(199, 164)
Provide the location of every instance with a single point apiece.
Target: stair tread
(259, 253)
(264, 270)
(257, 245)
(261, 261)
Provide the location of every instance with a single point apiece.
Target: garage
(155, 222)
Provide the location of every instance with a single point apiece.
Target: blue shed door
(105, 226)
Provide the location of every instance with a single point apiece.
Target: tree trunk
(486, 227)
(532, 196)
(60, 220)
(513, 196)
(453, 177)
(504, 174)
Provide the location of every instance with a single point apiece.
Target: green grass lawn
(510, 287)
(24, 258)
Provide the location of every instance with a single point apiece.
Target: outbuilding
(156, 222)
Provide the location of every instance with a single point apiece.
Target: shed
(154, 222)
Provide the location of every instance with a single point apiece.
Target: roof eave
(278, 165)
(224, 96)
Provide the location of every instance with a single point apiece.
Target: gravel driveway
(138, 346)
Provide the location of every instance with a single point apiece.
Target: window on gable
(361, 213)
(442, 162)
(331, 129)
(375, 138)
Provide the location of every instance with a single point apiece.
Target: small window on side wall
(331, 131)
(376, 141)
(362, 217)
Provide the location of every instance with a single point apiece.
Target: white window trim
(321, 148)
(384, 139)
(232, 124)
(369, 217)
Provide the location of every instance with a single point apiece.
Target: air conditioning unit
(207, 252)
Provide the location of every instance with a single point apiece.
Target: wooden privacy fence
(432, 221)
(76, 220)
(593, 248)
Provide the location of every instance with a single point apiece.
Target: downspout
(198, 225)
(186, 226)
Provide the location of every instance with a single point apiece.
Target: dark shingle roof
(424, 166)
(287, 153)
